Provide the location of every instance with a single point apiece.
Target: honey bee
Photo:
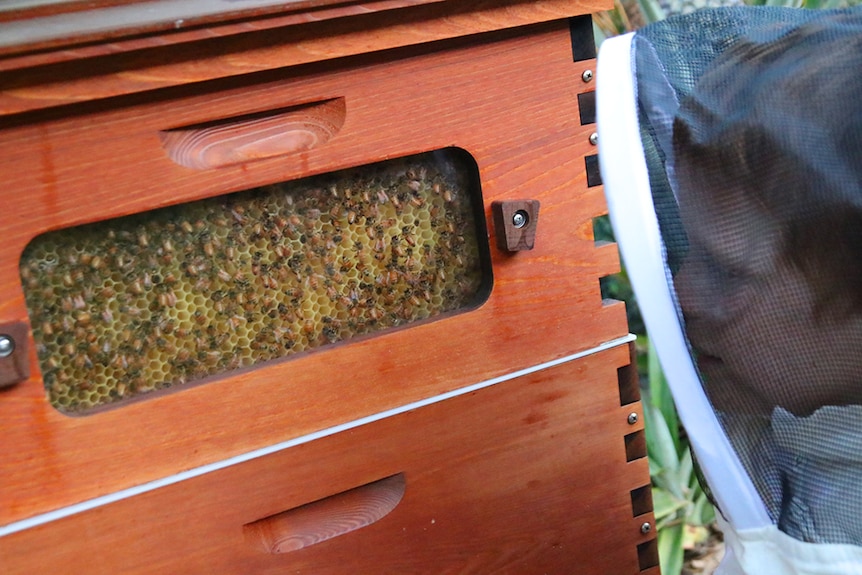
(238, 214)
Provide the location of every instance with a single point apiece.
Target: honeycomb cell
(172, 296)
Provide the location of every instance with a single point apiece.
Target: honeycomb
(127, 306)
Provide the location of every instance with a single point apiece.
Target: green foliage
(617, 286)
(682, 510)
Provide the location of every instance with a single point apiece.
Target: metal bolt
(587, 76)
(632, 418)
(520, 219)
(7, 346)
(594, 138)
(646, 528)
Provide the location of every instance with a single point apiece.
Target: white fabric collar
(768, 551)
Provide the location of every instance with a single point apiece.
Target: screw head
(7, 346)
(594, 138)
(520, 219)
(587, 76)
(646, 528)
(632, 418)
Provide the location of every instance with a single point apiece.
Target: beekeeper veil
(730, 144)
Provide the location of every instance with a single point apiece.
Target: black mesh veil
(749, 127)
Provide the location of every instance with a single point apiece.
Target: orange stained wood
(91, 71)
(525, 477)
(332, 516)
(237, 141)
(508, 98)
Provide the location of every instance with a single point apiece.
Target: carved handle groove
(239, 140)
(326, 518)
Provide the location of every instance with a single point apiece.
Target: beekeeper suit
(730, 143)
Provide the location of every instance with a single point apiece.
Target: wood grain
(15, 367)
(157, 65)
(326, 518)
(97, 162)
(522, 478)
(510, 236)
(66, 24)
(266, 135)
(117, 115)
(28, 55)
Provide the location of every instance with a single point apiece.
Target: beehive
(176, 295)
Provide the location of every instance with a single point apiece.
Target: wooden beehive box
(310, 287)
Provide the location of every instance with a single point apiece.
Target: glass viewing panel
(123, 307)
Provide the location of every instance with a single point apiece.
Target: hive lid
(58, 52)
(33, 24)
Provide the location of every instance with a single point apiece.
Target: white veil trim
(627, 188)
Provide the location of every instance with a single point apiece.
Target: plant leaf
(665, 505)
(662, 451)
(652, 10)
(670, 550)
(702, 512)
(660, 396)
(685, 471)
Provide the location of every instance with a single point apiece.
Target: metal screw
(587, 76)
(594, 138)
(520, 219)
(632, 418)
(646, 528)
(7, 346)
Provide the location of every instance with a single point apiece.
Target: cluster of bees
(127, 306)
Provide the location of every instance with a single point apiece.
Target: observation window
(123, 307)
